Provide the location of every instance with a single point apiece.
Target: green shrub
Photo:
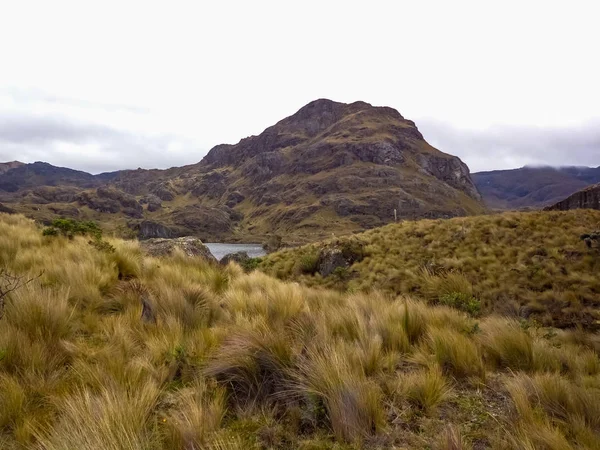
(250, 264)
(70, 228)
(352, 250)
(102, 246)
(309, 263)
(341, 273)
(50, 231)
(461, 301)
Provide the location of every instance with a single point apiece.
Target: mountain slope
(534, 187)
(331, 167)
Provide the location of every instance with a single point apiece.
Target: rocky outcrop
(204, 220)
(339, 255)
(586, 198)
(6, 209)
(109, 200)
(190, 246)
(148, 229)
(452, 171)
(56, 194)
(240, 258)
(153, 201)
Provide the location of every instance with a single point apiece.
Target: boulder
(6, 209)
(153, 201)
(239, 257)
(339, 254)
(191, 246)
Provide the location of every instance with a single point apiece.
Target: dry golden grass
(526, 264)
(239, 360)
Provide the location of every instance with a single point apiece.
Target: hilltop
(532, 187)
(523, 264)
(330, 167)
(108, 348)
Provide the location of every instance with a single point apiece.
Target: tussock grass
(456, 354)
(351, 401)
(506, 344)
(111, 419)
(530, 264)
(426, 389)
(236, 360)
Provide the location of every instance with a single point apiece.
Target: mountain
(19, 176)
(533, 187)
(588, 198)
(329, 168)
(5, 167)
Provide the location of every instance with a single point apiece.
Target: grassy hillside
(236, 360)
(520, 264)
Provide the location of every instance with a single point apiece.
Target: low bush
(309, 263)
(70, 228)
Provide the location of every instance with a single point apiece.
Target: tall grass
(238, 360)
(531, 264)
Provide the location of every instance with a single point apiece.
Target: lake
(219, 250)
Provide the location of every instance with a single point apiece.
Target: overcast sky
(109, 85)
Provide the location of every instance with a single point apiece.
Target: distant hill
(532, 187)
(329, 168)
(588, 198)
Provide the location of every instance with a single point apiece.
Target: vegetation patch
(539, 266)
(230, 359)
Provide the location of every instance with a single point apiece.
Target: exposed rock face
(586, 198)
(339, 255)
(191, 246)
(205, 221)
(153, 201)
(56, 194)
(237, 257)
(110, 200)
(149, 230)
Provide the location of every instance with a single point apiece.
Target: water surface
(220, 249)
